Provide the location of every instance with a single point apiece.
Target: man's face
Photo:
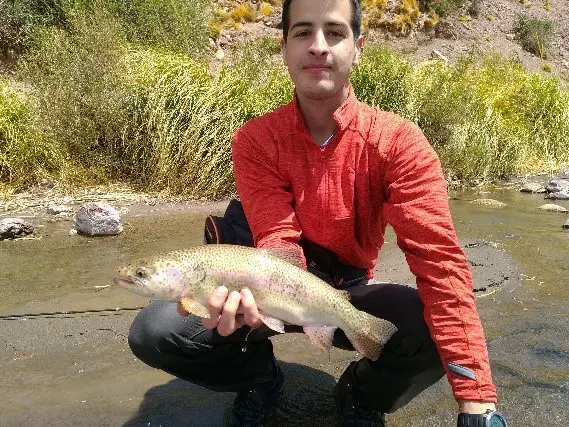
(320, 50)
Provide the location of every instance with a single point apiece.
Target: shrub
(176, 25)
(26, 156)
(20, 16)
(76, 78)
(442, 7)
(534, 35)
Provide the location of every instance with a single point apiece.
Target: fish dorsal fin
(289, 254)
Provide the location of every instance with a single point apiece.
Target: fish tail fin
(370, 336)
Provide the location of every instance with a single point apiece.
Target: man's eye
(336, 34)
(301, 34)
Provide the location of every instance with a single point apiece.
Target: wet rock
(533, 187)
(556, 185)
(12, 228)
(560, 195)
(566, 225)
(488, 202)
(58, 209)
(564, 171)
(98, 219)
(553, 208)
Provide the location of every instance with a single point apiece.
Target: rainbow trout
(284, 292)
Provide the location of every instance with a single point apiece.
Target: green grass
(106, 103)
(185, 126)
(26, 156)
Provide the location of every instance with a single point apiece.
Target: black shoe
(251, 408)
(352, 412)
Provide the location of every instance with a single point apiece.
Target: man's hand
(474, 407)
(229, 312)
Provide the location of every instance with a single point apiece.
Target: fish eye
(141, 272)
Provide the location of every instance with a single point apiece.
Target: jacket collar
(343, 116)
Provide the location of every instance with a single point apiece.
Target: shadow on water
(307, 400)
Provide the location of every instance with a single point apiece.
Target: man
(324, 175)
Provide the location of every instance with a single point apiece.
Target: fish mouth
(126, 281)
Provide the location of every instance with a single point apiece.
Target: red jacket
(378, 169)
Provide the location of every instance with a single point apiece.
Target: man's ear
(359, 46)
(283, 50)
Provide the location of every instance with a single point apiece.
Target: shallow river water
(76, 369)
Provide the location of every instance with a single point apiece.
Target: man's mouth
(315, 68)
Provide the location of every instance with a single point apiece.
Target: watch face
(496, 420)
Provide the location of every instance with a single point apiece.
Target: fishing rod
(68, 313)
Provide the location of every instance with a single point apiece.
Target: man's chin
(320, 92)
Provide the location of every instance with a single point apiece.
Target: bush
(185, 125)
(20, 16)
(442, 7)
(76, 77)
(534, 35)
(25, 155)
(175, 25)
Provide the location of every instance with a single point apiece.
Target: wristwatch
(488, 419)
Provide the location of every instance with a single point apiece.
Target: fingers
(215, 307)
(229, 312)
(250, 312)
(181, 310)
(227, 322)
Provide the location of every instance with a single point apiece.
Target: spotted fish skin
(284, 292)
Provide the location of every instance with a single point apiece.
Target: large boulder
(98, 219)
(12, 228)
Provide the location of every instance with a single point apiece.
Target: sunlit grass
(100, 108)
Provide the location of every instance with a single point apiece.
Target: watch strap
(471, 420)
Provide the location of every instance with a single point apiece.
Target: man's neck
(318, 114)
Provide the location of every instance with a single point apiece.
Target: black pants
(409, 363)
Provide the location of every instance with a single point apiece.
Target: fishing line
(67, 313)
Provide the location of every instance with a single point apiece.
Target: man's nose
(319, 44)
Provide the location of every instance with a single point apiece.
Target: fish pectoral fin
(322, 336)
(288, 254)
(273, 323)
(194, 307)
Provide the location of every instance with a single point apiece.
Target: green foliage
(184, 128)
(380, 80)
(488, 118)
(25, 155)
(535, 35)
(176, 25)
(20, 16)
(442, 7)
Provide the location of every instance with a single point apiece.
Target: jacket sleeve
(266, 196)
(417, 209)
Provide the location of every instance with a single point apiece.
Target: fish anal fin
(273, 323)
(371, 335)
(290, 254)
(322, 336)
(194, 307)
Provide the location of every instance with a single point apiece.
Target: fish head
(156, 278)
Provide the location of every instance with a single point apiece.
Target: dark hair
(356, 18)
